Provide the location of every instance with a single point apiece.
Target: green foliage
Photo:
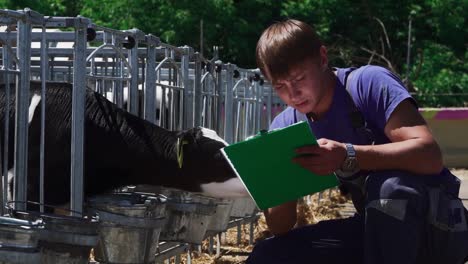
(443, 79)
(355, 32)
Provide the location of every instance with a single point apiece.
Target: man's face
(303, 87)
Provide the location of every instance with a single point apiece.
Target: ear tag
(180, 151)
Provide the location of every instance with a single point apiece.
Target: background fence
(173, 87)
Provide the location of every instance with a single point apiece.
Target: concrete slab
(462, 174)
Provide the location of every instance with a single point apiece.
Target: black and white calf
(120, 149)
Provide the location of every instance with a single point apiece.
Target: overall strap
(357, 119)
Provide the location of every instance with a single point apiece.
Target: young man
(372, 136)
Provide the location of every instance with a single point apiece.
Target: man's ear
(323, 58)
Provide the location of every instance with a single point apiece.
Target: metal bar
(219, 102)
(16, 72)
(174, 48)
(150, 86)
(189, 256)
(6, 64)
(15, 15)
(210, 245)
(109, 78)
(78, 102)
(247, 116)
(133, 89)
(251, 233)
(228, 105)
(56, 36)
(44, 67)
(181, 99)
(239, 233)
(188, 106)
(173, 249)
(260, 102)
(218, 245)
(268, 108)
(21, 120)
(197, 90)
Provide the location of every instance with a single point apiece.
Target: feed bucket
(130, 225)
(19, 241)
(188, 216)
(243, 207)
(221, 217)
(64, 239)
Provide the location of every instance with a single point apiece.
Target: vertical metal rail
(6, 132)
(268, 106)
(220, 99)
(149, 108)
(44, 67)
(228, 104)
(188, 90)
(133, 98)
(197, 91)
(180, 98)
(256, 107)
(78, 103)
(261, 106)
(247, 107)
(21, 119)
(170, 91)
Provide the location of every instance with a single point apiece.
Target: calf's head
(199, 157)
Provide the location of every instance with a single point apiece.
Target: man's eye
(300, 78)
(279, 87)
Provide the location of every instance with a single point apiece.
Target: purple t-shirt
(376, 92)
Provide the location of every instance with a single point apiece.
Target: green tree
(355, 33)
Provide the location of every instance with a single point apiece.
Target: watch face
(350, 164)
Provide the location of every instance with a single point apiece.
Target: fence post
(22, 103)
(78, 103)
(269, 104)
(149, 110)
(133, 97)
(220, 99)
(188, 88)
(228, 105)
(197, 90)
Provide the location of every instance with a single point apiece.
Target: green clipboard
(264, 165)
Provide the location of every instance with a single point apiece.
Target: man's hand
(322, 159)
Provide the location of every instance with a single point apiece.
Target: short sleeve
(377, 92)
(283, 119)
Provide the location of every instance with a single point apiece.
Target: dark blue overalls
(402, 218)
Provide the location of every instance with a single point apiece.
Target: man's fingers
(307, 159)
(322, 141)
(309, 149)
(315, 165)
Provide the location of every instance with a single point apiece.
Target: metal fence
(173, 87)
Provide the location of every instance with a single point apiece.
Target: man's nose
(294, 90)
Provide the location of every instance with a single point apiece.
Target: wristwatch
(350, 163)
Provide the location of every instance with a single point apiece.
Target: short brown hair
(284, 45)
